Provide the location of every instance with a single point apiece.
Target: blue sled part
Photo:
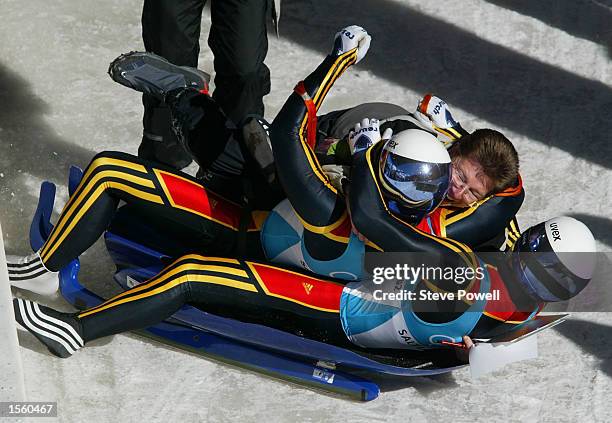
(229, 351)
(41, 227)
(74, 178)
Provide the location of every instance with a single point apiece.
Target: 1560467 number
(28, 409)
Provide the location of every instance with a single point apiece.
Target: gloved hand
(366, 134)
(432, 110)
(349, 38)
(434, 113)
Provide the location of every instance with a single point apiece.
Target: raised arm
(316, 201)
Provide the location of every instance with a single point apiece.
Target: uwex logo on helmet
(554, 231)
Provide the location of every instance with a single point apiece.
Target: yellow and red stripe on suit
(192, 197)
(337, 68)
(342, 233)
(102, 174)
(314, 198)
(317, 204)
(246, 290)
(298, 288)
(112, 177)
(264, 279)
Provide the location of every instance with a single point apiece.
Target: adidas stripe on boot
(60, 332)
(31, 274)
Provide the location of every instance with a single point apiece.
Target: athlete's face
(468, 182)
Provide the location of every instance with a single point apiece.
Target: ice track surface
(538, 71)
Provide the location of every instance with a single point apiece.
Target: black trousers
(238, 40)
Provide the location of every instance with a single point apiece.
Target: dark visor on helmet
(542, 271)
(417, 184)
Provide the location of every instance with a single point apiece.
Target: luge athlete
(486, 189)
(324, 310)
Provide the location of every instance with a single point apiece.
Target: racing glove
(434, 113)
(349, 38)
(365, 134)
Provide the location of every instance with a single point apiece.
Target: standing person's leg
(239, 41)
(171, 29)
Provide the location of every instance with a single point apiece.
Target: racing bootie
(60, 332)
(151, 74)
(195, 118)
(31, 274)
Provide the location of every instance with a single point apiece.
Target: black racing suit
(320, 206)
(485, 226)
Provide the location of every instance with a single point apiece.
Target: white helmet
(554, 260)
(414, 173)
